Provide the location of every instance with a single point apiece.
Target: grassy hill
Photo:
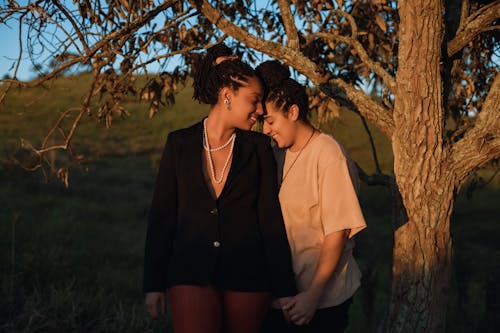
(71, 258)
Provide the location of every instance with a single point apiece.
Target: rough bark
(422, 244)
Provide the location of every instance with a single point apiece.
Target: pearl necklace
(209, 150)
(205, 140)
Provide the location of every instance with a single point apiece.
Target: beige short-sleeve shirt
(317, 198)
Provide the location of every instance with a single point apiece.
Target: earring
(226, 101)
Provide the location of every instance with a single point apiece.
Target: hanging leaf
(371, 41)
(381, 23)
(63, 176)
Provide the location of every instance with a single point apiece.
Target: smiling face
(245, 103)
(281, 126)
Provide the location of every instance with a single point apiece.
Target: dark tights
(204, 309)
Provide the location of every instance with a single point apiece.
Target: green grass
(71, 258)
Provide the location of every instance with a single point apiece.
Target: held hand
(156, 301)
(279, 303)
(302, 307)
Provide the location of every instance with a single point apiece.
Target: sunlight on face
(246, 104)
(278, 126)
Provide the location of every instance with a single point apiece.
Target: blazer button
(216, 244)
(213, 211)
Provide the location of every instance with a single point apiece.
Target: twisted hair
(219, 68)
(282, 90)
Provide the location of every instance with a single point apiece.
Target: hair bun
(273, 73)
(216, 51)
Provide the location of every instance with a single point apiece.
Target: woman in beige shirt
(320, 209)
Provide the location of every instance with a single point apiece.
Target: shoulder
(328, 149)
(185, 133)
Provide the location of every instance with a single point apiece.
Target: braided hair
(217, 69)
(282, 90)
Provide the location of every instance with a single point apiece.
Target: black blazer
(236, 242)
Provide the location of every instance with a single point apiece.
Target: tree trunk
(422, 255)
(422, 265)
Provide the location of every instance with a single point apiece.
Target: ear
(293, 112)
(225, 93)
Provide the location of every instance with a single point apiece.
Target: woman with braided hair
(216, 240)
(320, 209)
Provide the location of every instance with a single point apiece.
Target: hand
(278, 303)
(302, 307)
(156, 301)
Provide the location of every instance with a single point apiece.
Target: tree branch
(334, 88)
(18, 62)
(73, 23)
(357, 101)
(363, 55)
(476, 23)
(84, 58)
(289, 23)
(291, 57)
(481, 143)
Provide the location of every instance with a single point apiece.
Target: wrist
(315, 293)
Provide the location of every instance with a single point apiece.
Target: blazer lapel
(243, 149)
(193, 156)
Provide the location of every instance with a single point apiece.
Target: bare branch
(133, 26)
(17, 62)
(289, 23)
(481, 143)
(45, 15)
(47, 77)
(476, 23)
(73, 23)
(84, 108)
(349, 18)
(170, 54)
(363, 55)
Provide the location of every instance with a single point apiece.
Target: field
(71, 258)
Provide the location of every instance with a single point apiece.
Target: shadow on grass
(71, 259)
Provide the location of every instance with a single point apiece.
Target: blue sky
(9, 51)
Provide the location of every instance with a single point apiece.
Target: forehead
(271, 106)
(253, 86)
(271, 111)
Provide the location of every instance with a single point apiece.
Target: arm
(161, 227)
(302, 307)
(341, 218)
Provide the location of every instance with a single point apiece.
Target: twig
(18, 60)
(375, 66)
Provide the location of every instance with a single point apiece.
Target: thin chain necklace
(296, 157)
(209, 151)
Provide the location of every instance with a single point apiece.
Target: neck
(303, 135)
(218, 130)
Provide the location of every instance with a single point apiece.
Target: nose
(266, 128)
(260, 109)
